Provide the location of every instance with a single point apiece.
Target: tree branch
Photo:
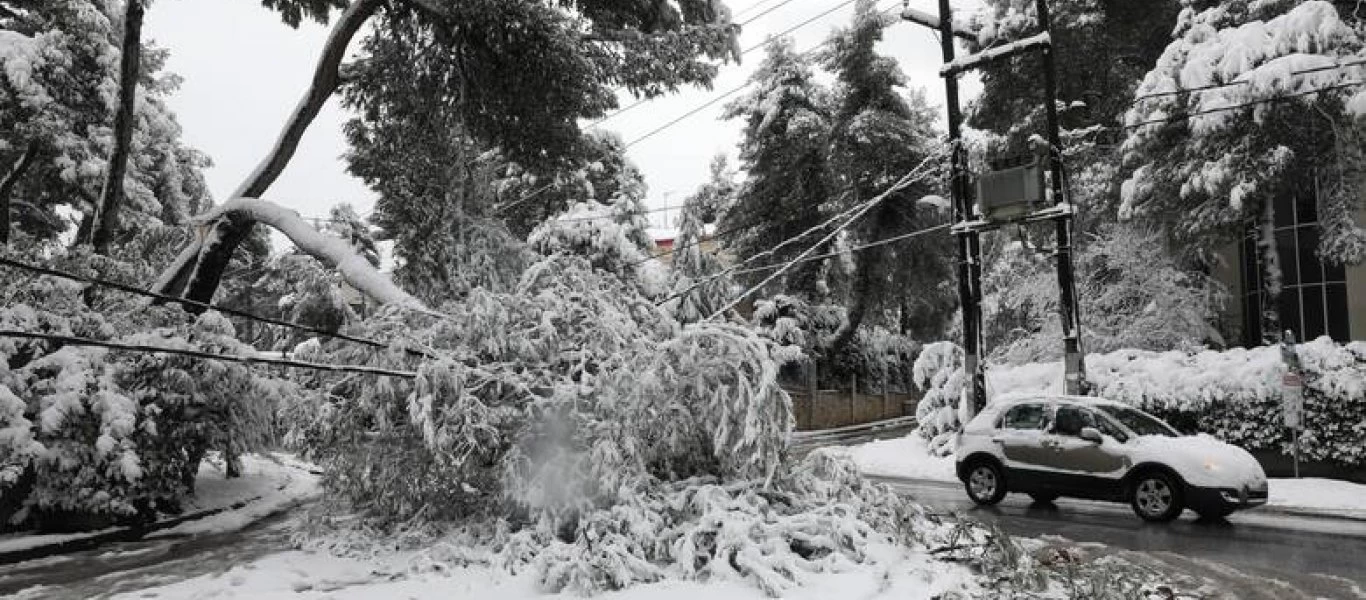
(196, 272)
(15, 173)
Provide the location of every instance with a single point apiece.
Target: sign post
(1292, 395)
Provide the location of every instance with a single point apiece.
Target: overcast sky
(244, 71)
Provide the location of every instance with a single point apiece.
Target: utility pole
(1007, 196)
(1074, 366)
(969, 242)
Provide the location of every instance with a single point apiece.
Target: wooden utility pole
(969, 242)
(1074, 366)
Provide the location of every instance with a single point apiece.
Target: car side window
(1069, 420)
(1108, 428)
(1031, 416)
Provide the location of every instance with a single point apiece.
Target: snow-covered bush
(1234, 395)
(1133, 294)
(89, 435)
(938, 372)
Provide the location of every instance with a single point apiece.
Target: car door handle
(1000, 439)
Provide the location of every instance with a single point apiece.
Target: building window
(1313, 300)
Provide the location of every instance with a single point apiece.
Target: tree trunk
(15, 173)
(1271, 271)
(867, 280)
(196, 272)
(111, 197)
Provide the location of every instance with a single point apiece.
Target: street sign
(1292, 400)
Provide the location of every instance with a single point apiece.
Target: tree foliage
(57, 66)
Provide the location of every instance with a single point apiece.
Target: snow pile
(1234, 395)
(908, 456)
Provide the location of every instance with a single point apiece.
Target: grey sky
(244, 71)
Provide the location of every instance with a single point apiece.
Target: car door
(1083, 467)
(1020, 436)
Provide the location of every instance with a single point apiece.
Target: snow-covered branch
(333, 251)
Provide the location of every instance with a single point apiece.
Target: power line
(744, 52)
(766, 11)
(868, 246)
(5, 261)
(1244, 105)
(856, 211)
(1215, 86)
(237, 358)
(735, 90)
(901, 184)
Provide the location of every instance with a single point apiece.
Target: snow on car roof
(1018, 397)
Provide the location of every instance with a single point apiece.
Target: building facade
(1317, 297)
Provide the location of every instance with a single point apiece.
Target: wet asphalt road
(1250, 553)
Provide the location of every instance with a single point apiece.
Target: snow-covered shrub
(1234, 395)
(938, 372)
(89, 435)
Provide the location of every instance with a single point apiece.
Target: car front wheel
(1156, 497)
(985, 484)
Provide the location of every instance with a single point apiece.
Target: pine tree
(786, 119)
(877, 136)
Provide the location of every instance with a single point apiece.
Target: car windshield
(1138, 422)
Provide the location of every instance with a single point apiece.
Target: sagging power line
(237, 358)
(114, 285)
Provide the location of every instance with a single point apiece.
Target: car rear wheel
(1156, 497)
(985, 483)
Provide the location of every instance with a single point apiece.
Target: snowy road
(126, 567)
(1253, 555)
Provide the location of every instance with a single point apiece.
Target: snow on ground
(268, 485)
(899, 574)
(907, 456)
(1319, 494)
(910, 457)
(21, 541)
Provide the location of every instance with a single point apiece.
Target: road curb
(1340, 515)
(123, 534)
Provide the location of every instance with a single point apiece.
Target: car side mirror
(1090, 434)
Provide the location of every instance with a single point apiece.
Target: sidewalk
(269, 484)
(908, 457)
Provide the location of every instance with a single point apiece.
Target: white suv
(1050, 446)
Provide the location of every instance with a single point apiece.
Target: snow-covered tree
(1251, 101)
(878, 134)
(693, 263)
(783, 151)
(524, 72)
(58, 68)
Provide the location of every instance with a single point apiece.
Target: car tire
(985, 483)
(1156, 496)
(1043, 498)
